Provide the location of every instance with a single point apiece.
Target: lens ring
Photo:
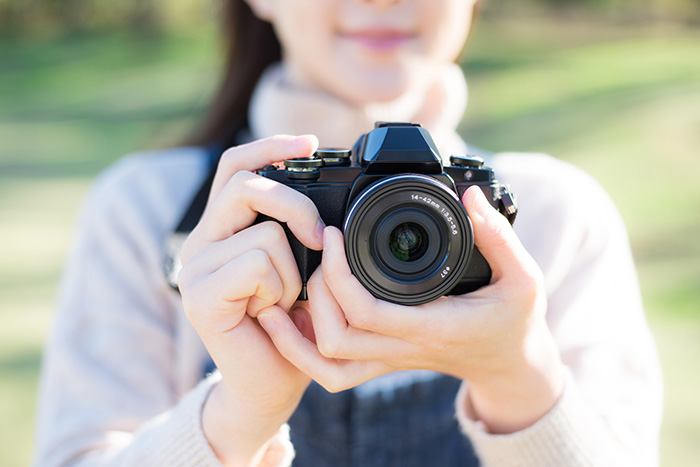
(394, 196)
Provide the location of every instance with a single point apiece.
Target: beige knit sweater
(121, 383)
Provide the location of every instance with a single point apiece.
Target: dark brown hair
(250, 46)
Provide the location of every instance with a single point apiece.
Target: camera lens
(408, 238)
(408, 241)
(405, 241)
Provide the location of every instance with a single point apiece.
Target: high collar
(279, 107)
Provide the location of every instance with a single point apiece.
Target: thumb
(494, 236)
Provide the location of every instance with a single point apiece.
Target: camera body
(408, 238)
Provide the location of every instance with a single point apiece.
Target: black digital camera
(408, 238)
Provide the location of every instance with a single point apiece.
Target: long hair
(250, 46)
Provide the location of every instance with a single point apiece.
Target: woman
(550, 364)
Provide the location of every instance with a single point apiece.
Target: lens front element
(408, 241)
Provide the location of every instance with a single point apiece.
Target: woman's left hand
(495, 337)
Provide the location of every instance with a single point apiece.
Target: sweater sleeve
(113, 390)
(610, 410)
(175, 438)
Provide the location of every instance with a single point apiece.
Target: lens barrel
(408, 239)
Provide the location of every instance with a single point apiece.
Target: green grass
(621, 104)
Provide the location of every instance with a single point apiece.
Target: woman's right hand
(232, 271)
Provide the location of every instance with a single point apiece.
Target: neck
(280, 106)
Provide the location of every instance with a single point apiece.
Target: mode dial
(474, 162)
(303, 168)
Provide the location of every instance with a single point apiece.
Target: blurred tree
(41, 17)
(146, 17)
(32, 17)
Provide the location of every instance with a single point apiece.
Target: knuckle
(188, 249)
(435, 341)
(186, 253)
(534, 277)
(422, 340)
(294, 287)
(193, 306)
(229, 160)
(332, 388)
(359, 319)
(306, 204)
(329, 348)
(239, 180)
(315, 283)
(259, 263)
(329, 274)
(530, 285)
(332, 383)
(272, 233)
(442, 346)
(235, 188)
(526, 291)
(184, 277)
(305, 208)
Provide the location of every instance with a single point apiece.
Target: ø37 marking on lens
(445, 213)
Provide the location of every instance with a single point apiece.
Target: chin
(366, 87)
(378, 95)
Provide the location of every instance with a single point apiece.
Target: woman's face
(367, 50)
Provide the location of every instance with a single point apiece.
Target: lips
(379, 39)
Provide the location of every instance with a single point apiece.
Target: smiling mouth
(379, 39)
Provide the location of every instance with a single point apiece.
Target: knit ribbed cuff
(562, 437)
(176, 438)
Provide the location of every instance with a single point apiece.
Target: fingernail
(267, 322)
(480, 204)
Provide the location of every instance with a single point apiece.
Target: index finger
(258, 154)
(497, 241)
(243, 198)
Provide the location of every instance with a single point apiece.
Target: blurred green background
(610, 85)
